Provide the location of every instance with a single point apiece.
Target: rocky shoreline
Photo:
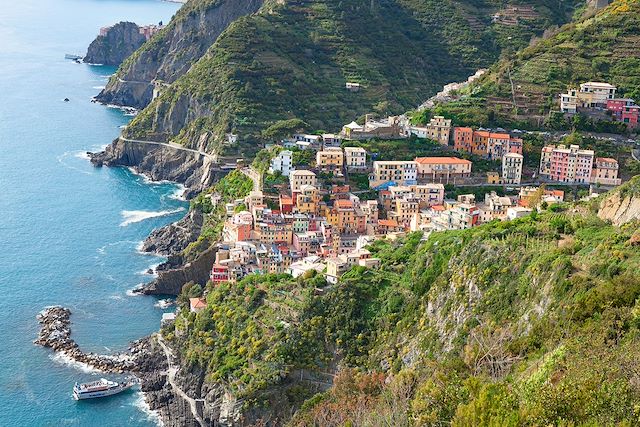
(144, 359)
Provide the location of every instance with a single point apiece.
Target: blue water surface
(68, 231)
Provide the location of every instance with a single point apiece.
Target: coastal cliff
(161, 162)
(171, 52)
(119, 42)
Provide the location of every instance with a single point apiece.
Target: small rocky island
(116, 43)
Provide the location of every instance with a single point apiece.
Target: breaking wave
(130, 217)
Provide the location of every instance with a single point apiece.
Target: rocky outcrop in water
(186, 39)
(120, 41)
(144, 358)
(162, 162)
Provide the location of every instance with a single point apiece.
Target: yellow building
(308, 200)
(331, 158)
(268, 233)
(493, 178)
(439, 129)
(405, 209)
(299, 178)
(397, 172)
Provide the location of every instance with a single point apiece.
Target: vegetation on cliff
(522, 89)
(528, 322)
(291, 60)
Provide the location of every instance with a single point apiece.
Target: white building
(355, 158)
(590, 95)
(512, 168)
(396, 172)
(282, 163)
(518, 212)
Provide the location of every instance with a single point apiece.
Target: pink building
(624, 110)
(219, 273)
(566, 164)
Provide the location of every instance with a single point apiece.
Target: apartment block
(443, 168)
(299, 178)
(330, 159)
(590, 95)
(605, 172)
(566, 164)
(512, 168)
(393, 173)
(282, 163)
(355, 158)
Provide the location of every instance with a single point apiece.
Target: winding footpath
(171, 376)
(248, 171)
(172, 145)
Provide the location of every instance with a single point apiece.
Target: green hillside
(527, 322)
(603, 47)
(293, 58)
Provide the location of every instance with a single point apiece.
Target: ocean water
(68, 232)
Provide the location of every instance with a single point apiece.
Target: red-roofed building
(286, 204)
(483, 143)
(196, 305)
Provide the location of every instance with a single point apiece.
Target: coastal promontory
(116, 43)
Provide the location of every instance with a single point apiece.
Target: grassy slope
(529, 322)
(293, 60)
(603, 47)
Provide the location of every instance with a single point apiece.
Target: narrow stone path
(171, 376)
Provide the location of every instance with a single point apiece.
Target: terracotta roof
(286, 199)
(197, 302)
(482, 133)
(440, 160)
(462, 129)
(342, 203)
(388, 222)
(606, 159)
(438, 208)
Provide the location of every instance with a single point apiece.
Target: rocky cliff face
(118, 44)
(175, 273)
(161, 162)
(623, 204)
(175, 237)
(170, 54)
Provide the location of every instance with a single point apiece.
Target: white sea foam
(98, 87)
(178, 194)
(131, 217)
(116, 297)
(152, 267)
(63, 359)
(133, 292)
(164, 303)
(61, 159)
(141, 403)
(82, 155)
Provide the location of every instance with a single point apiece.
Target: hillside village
(315, 220)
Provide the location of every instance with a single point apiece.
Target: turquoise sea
(68, 232)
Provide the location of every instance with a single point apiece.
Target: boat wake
(131, 217)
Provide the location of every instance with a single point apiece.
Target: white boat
(101, 388)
